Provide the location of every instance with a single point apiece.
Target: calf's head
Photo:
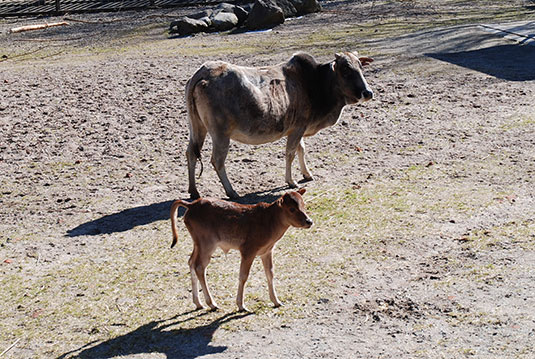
(293, 209)
(349, 78)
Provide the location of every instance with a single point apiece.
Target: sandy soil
(423, 200)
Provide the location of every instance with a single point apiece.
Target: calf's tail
(174, 211)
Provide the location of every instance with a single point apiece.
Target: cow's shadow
(508, 62)
(127, 219)
(162, 336)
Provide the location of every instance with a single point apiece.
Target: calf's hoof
(308, 178)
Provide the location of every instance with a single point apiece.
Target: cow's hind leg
(219, 155)
(292, 145)
(302, 163)
(193, 153)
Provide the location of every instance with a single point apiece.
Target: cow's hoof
(292, 184)
(194, 194)
(307, 179)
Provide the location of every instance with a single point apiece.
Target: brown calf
(251, 229)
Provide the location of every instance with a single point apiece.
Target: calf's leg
(219, 155)
(267, 261)
(245, 268)
(200, 263)
(194, 282)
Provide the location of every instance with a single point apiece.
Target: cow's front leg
(291, 147)
(302, 163)
(219, 155)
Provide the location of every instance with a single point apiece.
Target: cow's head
(351, 82)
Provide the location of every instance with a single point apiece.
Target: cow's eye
(292, 210)
(346, 72)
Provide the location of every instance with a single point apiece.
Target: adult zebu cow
(260, 105)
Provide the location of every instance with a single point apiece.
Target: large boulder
(187, 26)
(239, 11)
(288, 8)
(292, 8)
(202, 14)
(224, 21)
(306, 6)
(265, 14)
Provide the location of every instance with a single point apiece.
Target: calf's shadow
(160, 337)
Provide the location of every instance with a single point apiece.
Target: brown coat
(252, 229)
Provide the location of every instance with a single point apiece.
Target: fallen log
(37, 27)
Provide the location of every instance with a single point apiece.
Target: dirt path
(423, 244)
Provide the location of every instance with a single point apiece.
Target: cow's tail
(174, 212)
(194, 119)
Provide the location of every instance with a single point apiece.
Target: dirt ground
(423, 200)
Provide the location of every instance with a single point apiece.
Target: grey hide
(252, 105)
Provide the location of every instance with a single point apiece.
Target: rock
(187, 26)
(292, 8)
(201, 14)
(265, 14)
(288, 8)
(306, 6)
(224, 7)
(224, 21)
(239, 11)
(207, 20)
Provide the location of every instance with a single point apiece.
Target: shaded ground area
(509, 62)
(423, 202)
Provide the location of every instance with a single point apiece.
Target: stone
(306, 6)
(265, 14)
(187, 26)
(224, 21)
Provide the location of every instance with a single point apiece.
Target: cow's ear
(365, 61)
(301, 191)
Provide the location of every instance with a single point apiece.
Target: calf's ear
(301, 191)
(365, 60)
